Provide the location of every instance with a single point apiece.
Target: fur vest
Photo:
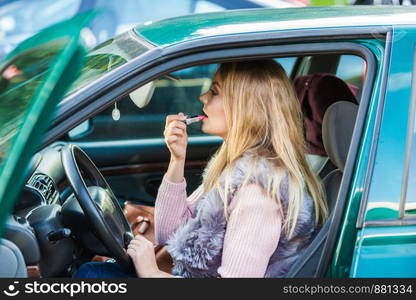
(196, 246)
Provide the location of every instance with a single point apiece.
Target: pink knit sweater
(252, 233)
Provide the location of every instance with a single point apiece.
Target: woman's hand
(176, 137)
(142, 252)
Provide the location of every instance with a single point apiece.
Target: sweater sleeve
(173, 208)
(252, 233)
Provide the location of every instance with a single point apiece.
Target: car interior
(124, 156)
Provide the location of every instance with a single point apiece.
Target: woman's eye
(213, 92)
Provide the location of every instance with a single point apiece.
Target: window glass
(287, 63)
(410, 205)
(351, 69)
(179, 92)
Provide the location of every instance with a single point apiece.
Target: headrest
(337, 128)
(316, 92)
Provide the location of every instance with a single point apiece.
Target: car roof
(172, 31)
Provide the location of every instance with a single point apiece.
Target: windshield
(20, 78)
(109, 56)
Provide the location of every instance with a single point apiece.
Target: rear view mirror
(141, 97)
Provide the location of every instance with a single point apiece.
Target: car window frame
(175, 57)
(123, 75)
(108, 93)
(119, 136)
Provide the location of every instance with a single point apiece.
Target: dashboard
(45, 215)
(44, 174)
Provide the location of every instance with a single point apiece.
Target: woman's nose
(202, 98)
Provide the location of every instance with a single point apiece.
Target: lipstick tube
(193, 119)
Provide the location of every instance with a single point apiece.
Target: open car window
(180, 93)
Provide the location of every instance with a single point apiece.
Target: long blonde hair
(264, 118)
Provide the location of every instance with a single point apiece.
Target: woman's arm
(252, 234)
(173, 208)
(176, 170)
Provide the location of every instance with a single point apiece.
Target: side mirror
(141, 97)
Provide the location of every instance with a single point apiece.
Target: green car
(81, 131)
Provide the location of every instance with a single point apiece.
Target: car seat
(12, 263)
(316, 92)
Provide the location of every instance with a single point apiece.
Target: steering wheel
(98, 203)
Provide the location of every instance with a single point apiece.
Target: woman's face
(214, 109)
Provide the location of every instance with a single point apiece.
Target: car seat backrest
(337, 129)
(12, 264)
(338, 126)
(316, 92)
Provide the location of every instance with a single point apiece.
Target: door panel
(386, 243)
(385, 252)
(142, 188)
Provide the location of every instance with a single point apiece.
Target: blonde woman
(259, 204)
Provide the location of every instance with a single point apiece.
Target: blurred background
(19, 19)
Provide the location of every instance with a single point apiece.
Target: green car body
(374, 232)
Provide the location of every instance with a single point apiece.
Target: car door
(386, 239)
(34, 77)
